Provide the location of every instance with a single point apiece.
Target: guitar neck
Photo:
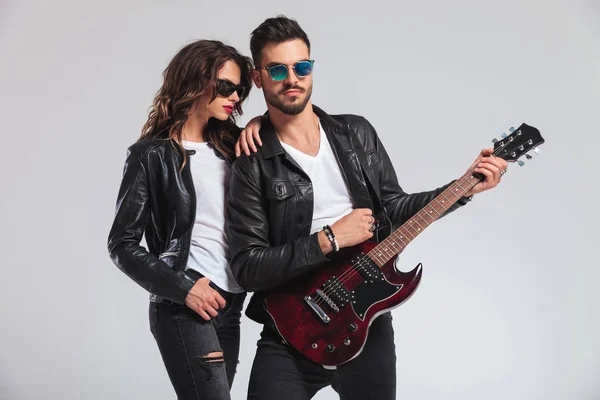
(401, 237)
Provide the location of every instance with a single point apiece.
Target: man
(309, 174)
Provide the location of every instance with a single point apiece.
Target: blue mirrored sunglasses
(279, 72)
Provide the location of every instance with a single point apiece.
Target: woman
(173, 189)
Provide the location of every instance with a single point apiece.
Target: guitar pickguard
(367, 294)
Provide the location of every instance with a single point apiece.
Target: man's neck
(299, 128)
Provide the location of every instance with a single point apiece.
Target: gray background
(508, 306)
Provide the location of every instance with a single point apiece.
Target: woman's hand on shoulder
(249, 137)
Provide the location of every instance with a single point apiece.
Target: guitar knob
(347, 342)
(330, 348)
(352, 327)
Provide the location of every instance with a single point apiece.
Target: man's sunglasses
(226, 88)
(279, 72)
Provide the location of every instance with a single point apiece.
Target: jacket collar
(272, 146)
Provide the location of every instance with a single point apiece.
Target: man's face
(291, 94)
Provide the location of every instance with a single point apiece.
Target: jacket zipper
(193, 217)
(168, 254)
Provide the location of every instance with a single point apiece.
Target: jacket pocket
(281, 196)
(279, 190)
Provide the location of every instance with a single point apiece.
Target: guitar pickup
(368, 270)
(318, 310)
(334, 290)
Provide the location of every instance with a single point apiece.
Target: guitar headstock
(518, 143)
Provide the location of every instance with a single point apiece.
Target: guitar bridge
(328, 300)
(318, 310)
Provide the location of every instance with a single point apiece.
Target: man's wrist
(326, 246)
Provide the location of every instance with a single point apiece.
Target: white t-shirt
(209, 252)
(332, 198)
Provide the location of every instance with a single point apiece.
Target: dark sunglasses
(226, 88)
(279, 72)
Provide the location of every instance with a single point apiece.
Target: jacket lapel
(345, 153)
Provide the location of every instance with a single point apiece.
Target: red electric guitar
(326, 314)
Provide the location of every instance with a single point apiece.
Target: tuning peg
(521, 163)
(511, 129)
(527, 156)
(503, 135)
(494, 140)
(537, 150)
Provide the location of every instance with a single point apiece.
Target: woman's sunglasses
(226, 88)
(279, 72)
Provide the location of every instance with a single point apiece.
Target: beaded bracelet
(329, 233)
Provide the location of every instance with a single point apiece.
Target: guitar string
(363, 262)
(360, 262)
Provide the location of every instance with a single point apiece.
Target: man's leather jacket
(270, 203)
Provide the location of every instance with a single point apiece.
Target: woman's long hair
(189, 75)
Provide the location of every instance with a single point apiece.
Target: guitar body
(328, 334)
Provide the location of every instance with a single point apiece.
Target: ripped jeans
(185, 339)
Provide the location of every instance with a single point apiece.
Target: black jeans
(184, 339)
(280, 372)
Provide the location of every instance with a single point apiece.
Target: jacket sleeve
(127, 230)
(400, 205)
(256, 264)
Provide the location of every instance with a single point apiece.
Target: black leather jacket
(270, 204)
(158, 199)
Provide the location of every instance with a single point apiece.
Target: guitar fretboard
(401, 237)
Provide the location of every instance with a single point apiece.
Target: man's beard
(288, 109)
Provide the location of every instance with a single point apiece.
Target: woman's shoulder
(148, 146)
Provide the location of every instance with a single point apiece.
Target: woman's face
(228, 79)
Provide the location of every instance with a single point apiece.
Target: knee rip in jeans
(214, 357)
(211, 360)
